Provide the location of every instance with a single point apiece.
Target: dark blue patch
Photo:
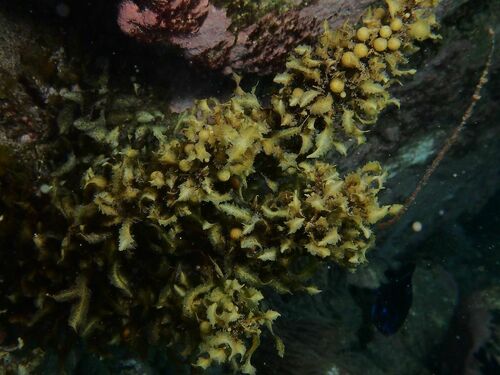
(393, 300)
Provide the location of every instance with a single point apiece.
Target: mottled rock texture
(260, 47)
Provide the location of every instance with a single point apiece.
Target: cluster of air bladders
(175, 239)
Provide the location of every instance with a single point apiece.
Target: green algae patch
(244, 13)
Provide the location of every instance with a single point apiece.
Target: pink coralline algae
(161, 19)
(133, 21)
(203, 31)
(196, 26)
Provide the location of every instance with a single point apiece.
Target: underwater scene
(302, 187)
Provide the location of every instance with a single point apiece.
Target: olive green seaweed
(246, 12)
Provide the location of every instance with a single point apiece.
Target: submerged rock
(217, 38)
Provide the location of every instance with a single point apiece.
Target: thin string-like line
(450, 141)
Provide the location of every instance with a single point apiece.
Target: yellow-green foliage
(207, 183)
(209, 166)
(338, 87)
(176, 238)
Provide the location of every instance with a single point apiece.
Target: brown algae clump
(217, 243)
(340, 85)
